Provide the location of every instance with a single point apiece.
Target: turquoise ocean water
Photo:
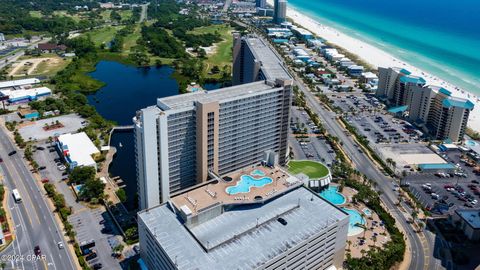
(438, 36)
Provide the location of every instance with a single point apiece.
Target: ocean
(438, 36)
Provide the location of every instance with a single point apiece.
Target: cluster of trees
(65, 211)
(197, 40)
(92, 188)
(3, 215)
(161, 43)
(116, 45)
(169, 18)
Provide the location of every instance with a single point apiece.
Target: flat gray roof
(244, 237)
(272, 66)
(187, 100)
(471, 216)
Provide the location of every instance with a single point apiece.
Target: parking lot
(312, 147)
(453, 192)
(35, 130)
(86, 221)
(87, 226)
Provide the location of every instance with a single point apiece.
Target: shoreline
(377, 57)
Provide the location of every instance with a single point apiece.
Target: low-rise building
(28, 114)
(51, 47)
(19, 83)
(228, 224)
(468, 220)
(25, 95)
(77, 149)
(302, 33)
(355, 70)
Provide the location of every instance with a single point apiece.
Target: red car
(45, 180)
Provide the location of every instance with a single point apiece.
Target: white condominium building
(253, 60)
(204, 229)
(182, 140)
(430, 107)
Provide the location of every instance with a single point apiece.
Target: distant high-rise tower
(261, 3)
(280, 11)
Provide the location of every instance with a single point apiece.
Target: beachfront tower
(429, 107)
(261, 3)
(182, 140)
(279, 11)
(253, 60)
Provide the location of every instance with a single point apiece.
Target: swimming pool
(246, 182)
(354, 218)
(471, 143)
(257, 172)
(367, 211)
(332, 195)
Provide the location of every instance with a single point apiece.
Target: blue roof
(404, 71)
(412, 79)
(445, 91)
(458, 102)
(435, 166)
(398, 109)
(280, 40)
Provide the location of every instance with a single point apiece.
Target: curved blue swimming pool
(332, 195)
(246, 182)
(354, 218)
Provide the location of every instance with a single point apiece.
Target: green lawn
(223, 51)
(312, 169)
(103, 35)
(36, 13)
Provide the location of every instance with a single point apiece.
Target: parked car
(97, 266)
(12, 153)
(37, 251)
(45, 180)
(91, 256)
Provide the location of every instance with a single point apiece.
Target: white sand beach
(378, 58)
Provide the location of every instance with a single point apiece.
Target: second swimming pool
(354, 218)
(332, 195)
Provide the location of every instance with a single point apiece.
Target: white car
(60, 245)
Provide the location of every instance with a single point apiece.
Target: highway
(33, 220)
(368, 168)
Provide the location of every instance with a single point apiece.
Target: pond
(127, 90)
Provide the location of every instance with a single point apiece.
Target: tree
(115, 16)
(131, 233)
(122, 195)
(81, 175)
(28, 37)
(92, 189)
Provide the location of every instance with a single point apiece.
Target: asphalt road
(367, 167)
(33, 220)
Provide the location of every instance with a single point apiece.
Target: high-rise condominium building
(279, 11)
(261, 3)
(184, 138)
(203, 229)
(431, 107)
(254, 60)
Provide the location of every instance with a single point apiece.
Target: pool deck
(373, 227)
(211, 194)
